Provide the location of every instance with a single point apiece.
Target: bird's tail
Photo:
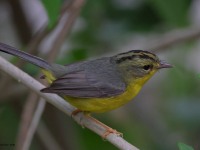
(25, 56)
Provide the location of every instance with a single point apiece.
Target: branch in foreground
(62, 105)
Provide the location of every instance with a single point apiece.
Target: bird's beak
(164, 65)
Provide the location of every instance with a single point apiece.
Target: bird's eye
(147, 67)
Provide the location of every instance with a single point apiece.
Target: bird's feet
(75, 112)
(108, 130)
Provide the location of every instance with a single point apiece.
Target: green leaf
(183, 146)
(53, 11)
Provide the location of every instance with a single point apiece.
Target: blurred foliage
(102, 25)
(172, 12)
(9, 125)
(53, 11)
(183, 146)
(76, 54)
(103, 18)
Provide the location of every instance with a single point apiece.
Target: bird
(99, 85)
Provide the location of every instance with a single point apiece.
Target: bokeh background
(165, 112)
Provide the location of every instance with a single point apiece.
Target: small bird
(99, 85)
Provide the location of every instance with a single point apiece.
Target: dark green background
(166, 111)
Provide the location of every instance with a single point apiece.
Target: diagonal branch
(62, 105)
(29, 118)
(67, 20)
(175, 37)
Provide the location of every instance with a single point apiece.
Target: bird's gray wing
(86, 85)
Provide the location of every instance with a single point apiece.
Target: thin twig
(31, 101)
(16, 92)
(67, 20)
(47, 138)
(26, 120)
(33, 123)
(64, 31)
(175, 37)
(62, 105)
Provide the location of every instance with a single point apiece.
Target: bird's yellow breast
(99, 105)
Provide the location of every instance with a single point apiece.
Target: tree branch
(62, 105)
(29, 119)
(46, 137)
(66, 21)
(175, 37)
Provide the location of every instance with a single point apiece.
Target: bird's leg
(75, 112)
(108, 130)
